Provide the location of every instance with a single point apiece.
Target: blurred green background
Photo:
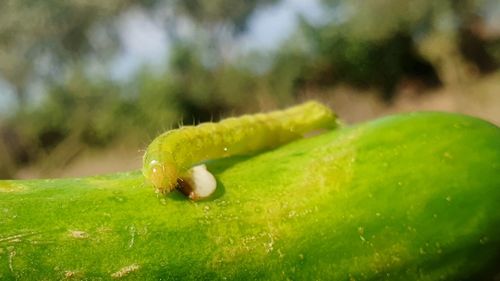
(85, 85)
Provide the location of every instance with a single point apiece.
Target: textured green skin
(170, 155)
(412, 197)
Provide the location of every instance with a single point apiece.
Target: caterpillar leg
(199, 183)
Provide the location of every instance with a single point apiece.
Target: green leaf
(408, 197)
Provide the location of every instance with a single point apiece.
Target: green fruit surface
(408, 197)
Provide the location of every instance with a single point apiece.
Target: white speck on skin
(132, 238)
(124, 271)
(12, 254)
(78, 234)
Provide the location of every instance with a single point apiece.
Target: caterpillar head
(163, 175)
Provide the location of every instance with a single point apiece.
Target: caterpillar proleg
(169, 159)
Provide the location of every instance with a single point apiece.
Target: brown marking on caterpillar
(185, 188)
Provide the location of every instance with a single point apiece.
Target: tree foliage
(374, 44)
(41, 37)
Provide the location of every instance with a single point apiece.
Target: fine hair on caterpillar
(171, 158)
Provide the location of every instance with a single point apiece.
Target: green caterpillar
(169, 158)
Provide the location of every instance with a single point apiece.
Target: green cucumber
(407, 197)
